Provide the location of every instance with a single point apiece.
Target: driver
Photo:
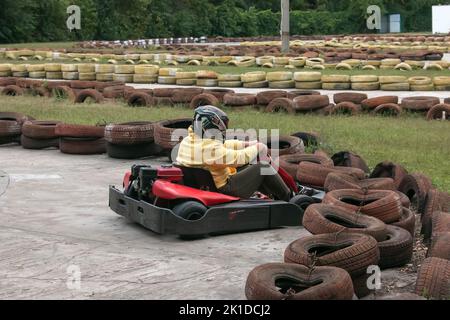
(229, 161)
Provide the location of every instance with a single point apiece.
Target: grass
(40, 45)
(418, 145)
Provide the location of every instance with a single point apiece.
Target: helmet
(210, 118)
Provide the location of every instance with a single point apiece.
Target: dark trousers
(249, 179)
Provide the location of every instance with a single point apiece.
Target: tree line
(39, 21)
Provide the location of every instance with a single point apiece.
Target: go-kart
(184, 201)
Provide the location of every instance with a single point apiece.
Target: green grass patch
(419, 145)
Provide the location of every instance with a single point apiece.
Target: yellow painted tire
(344, 66)
(69, 68)
(307, 76)
(268, 65)
(70, 75)
(229, 77)
(195, 57)
(105, 68)
(194, 63)
(403, 66)
(230, 84)
(53, 75)
(369, 67)
(287, 84)
(416, 64)
(438, 81)
(434, 66)
(354, 63)
(423, 87)
(86, 68)
(282, 61)
(279, 76)
(172, 63)
(185, 75)
(308, 85)
(375, 63)
(336, 86)
(233, 63)
(35, 68)
(420, 81)
(365, 86)
(5, 73)
(127, 78)
(20, 74)
(442, 88)
(257, 84)
(19, 68)
(104, 77)
(390, 62)
(260, 61)
(167, 80)
(147, 69)
(5, 67)
(206, 74)
(145, 78)
(225, 59)
(207, 82)
(249, 62)
(318, 67)
(88, 76)
(168, 72)
(186, 82)
(123, 69)
(112, 61)
(298, 62)
(146, 56)
(53, 67)
(364, 78)
(143, 62)
(37, 74)
(336, 78)
(396, 86)
(392, 79)
(253, 76)
(38, 58)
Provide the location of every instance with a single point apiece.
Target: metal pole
(285, 29)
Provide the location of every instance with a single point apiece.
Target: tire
(79, 131)
(308, 85)
(190, 210)
(134, 151)
(286, 145)
(297, 93)
(10, 128)
(335, 79)
(130, 133)
(207, 83)
(165, 129)
(64, 92)
(368, 86)
(420, 81)
(185, 95)
(140, 99)
(324, 219)
(352, 252)
(436, 201)
(390, 109)
(308, 76)
(13, 90)
(219, 93)
(364, 79)
(419, 104)
(344, 108)
(40, 129)
(389, 170)
(437, 112)
(339, 181)
(230, 84)
(38, 144)
(310, 139)
(290, 162)
(303, 202)
(416, 186)
(440, 222)
(256, 85)
(395, 87)
(433, 279)
(397, 249)
(311, 103)
(204, 99)
(298, 282)
(89, 93)
(280, 105)
(351, 160)
(356, 98)
(264, 98)
(82, 146)
(407, 222)
(375, 102)
(253, 77)
(239, 99)
(381, 204)
(336, 86)
(440, 245)
(314, 175)
(9, 140)
(114, 92)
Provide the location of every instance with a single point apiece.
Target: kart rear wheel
(190, 210)
(303, 202)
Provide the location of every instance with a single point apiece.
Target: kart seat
(198, 179)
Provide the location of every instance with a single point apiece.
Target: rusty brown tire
(82, 146)
(314, 175)
(397, 249)
(310, 139)
(219, 93)
(381, 204)
(239, 99)
(420, 104)
(389, 170)
(353, 252)
(440, 245)
(140, 99)
(130, 133)
(407, 221)
(416, 186)
(53, 84)
(299, 93)
(4, 82)
(439, 112)
(290, 162)
(311, 102)
(40, 129)
(285, 145)
(114, 92)
(13, 90)
(436, 201)
(323, 219)
(86, 94)
(281, 105)
(165, 130)
(38, 144)
(440, 222)
(433, 279)
(375, 102)
(353, 97)
(40, 92)
(164, 92)
(264, 98)
(344, 108)
(134, 151)
(11, 124)
(64, 92)
(388, 109)
(204, 99)
(77, 84)
(79, 131)
(282, 281)
(338, 181)
(351, 160)
(185, 95)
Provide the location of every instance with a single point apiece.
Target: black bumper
(224, 219)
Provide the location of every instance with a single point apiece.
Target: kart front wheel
(302, 201)
(190, 210)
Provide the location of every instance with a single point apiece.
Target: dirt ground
(56, 228)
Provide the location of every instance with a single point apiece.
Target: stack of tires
(105, 72)
(394, 83)
(365, 83)
(308, 80)
(229, 80)
(11, 126)
(335, 82)
(280, 80)
(167, 76)
(186, 78)
(70, 72)
(37, 135)
(169, 133)
(255, 79)
(131, 140)
(207, 78)
(81, 139)
(146, 74)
